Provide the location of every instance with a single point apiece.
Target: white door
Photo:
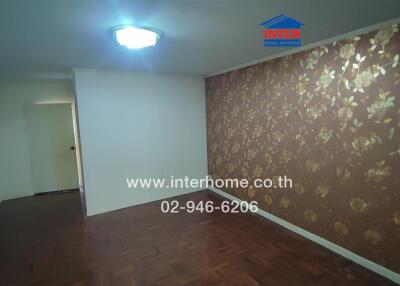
(51, 146)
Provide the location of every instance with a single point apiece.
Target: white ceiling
(200, 36)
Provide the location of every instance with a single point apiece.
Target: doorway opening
(53, 145)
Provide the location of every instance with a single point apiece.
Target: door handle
(72, 148)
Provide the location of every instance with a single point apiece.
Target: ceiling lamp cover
(135, 37)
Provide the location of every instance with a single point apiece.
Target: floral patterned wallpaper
(329, 119)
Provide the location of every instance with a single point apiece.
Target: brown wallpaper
(328, 118)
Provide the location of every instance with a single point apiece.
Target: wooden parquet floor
(46, 241)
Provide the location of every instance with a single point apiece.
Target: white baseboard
(379, 269)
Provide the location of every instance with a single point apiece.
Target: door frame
(78, 152)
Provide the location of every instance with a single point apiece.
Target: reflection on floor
(46, 241)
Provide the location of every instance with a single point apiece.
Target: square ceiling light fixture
(136, 37)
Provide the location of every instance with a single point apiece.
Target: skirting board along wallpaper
(329, 119)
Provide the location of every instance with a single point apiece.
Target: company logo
(282, 31)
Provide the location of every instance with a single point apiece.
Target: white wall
(15, 165)
(135, 124)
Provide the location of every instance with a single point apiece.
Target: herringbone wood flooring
(46, 241)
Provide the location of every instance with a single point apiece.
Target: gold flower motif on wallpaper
(251, 154)
(300, 139)
(213, 147)
(341, 228)
(322, 190)
(231, 132)
(218, 128)
(277, 89)
(251, 192)
(235, 111)
(301, 86)
(373, 236)
(356, 125)
(257, 89)
(343, 173)
(277, 136)
(286, 108)
(312, 59)
(310, 215)
(257, 172)
(286, 156)
(218, 161)
(284, 202)
(314, 56)
(324, 136)
(235, 147)
(383, 36)
(269, 159)
(345, 114)
(379, 171)
(231, 168)
(347, 51)
(328, 118)
(325, 79)
(396, 218)
(245, 170)
(314, 112)
(268, 199)
(225, 151)
(251, 114)
(312, 166)
(379, 108)
(363, 144)
(358, 205)
(258, 130)
(363, 80)
(299, 188)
